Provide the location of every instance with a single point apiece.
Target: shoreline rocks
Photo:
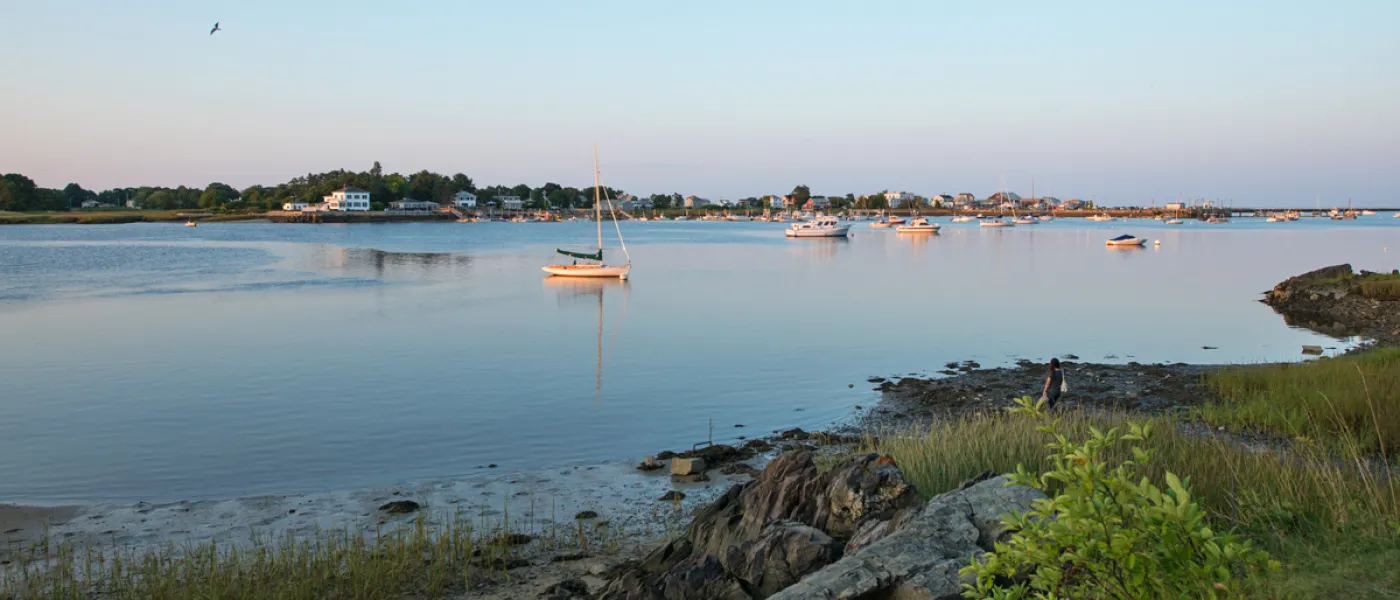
(1330, 301)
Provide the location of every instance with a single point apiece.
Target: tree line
(20, 194)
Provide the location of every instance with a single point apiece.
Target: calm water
(159, 362)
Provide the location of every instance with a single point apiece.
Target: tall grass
(423, 559)
(1381, 289)
(1339, 401)
(1333, 519)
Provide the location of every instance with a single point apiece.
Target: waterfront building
(295, 206)
(347, 198)
(899, 199)
(943, 200)
(965, 199)
(510, 202)
(696, 202)
(411, 204)
(464, 199)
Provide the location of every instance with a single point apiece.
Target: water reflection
(405, 265)
(819, 247)
(569, 290)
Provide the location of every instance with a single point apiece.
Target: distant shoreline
(123, 216)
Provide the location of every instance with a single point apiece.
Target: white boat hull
(882, 225)
(837, 232)
(1132, 242)
(997, 224)
(917, 229)
(963, 219)
(608, 271)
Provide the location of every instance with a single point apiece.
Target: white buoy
(1157, 243)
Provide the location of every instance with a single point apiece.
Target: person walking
(1054, 383)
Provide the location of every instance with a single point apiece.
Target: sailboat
(591, 269)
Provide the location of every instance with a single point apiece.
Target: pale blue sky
(1264, 102)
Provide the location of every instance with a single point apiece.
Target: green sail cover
(598, 256)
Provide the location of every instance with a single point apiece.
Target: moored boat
(826, 226)
(1126, 240)
(597, 269)
(918, 225)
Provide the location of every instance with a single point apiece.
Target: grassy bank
(425, 558)
(1329, 512)
(1350, 400)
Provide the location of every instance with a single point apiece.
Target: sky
(1259, 103)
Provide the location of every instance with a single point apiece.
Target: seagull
(216, 28)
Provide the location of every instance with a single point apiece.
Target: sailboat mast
(597, 199)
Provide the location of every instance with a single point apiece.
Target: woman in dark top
(1053, 382)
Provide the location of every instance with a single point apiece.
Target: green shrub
(1108, 532)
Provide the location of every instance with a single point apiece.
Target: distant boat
(918, 225)
(191, 223)
(827, 226)
(963, 219)
(996, 222)
(882, 223)
(1126, 240)
(1368, 213)
(1026, 220)
(1172, 221)
(590, 269)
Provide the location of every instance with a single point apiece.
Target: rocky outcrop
(855, 531)
(921, 559)
(1330, 301)
(765, 534)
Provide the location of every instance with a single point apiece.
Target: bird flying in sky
(216, 28)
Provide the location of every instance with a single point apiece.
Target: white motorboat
(1027, 220)
(996, 222)
(1126, 240)
(592, 269)
(1172, 221)
(1046, 218)
(1368, 213)
(882, 223)
(826, 226)
(191, 223)
(963, 219)
(918, 225)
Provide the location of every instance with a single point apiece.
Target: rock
(491, 466)
(717, 454)
(587, 514)
(758, 445)
(567, 589)
(921, 559)
(568, 557)
(687, 466)
(782, 555)
(738, 425)
(795, 433)
(882, 379)
(1312, 349)
(739, 469)
(672, 496)
(400, 507)
(885, 386)
(649, 464)
(505, 564)
(665, 455)
(692, 478)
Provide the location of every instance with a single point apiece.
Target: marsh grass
(1336, 401)
(426, 557)
(1312, 507)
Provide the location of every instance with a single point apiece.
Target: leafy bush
(1110, 532)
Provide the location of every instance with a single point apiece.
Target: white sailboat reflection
(580, 288)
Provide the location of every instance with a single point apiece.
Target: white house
(817, 203)
(696, 202)
(1176, 206)
(510, 202)
(632, 204)
(941, 200)
(775, 201)
(131, 204)
(965, 199)
(898, 199)
(89, 204)
(410, 204)
(464, 199)
(295, 206)
(347, 198)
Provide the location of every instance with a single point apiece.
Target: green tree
(661, 201)
(522, 191)
(537, 199)
(462, 183)
(800, 195)
(376, 171)
(161, 199)
(562, 198)
(18, 193)
(216, 195)
(75, 195)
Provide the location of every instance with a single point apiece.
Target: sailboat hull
(609, 271)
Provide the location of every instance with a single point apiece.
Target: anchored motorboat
(1126, 240)
(919, 225)
(825, 226)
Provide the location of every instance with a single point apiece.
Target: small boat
(827, 226)
(1046, 218)
(963, 219)
(591, 269)
(1126, 240)
(1172, 221)
(882, 223)
(1368, 213)
(1024, 220)
(191, 223)
(1272, 220)
(996, 222)
(1217, 220)
(896, 221)
(918, 225)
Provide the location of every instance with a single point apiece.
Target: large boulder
(767, 533)
(1289, 288)
(921, 559)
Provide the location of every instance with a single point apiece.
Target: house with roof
(817, 203)
(633, 203)
(696, 202)
(943, 200)
(464, 199)
(899, 199)
(409, 204)
(510, 202)
(965, 199)
(1073, 205)
(346, 199)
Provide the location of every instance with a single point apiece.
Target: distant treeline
(20, 194)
